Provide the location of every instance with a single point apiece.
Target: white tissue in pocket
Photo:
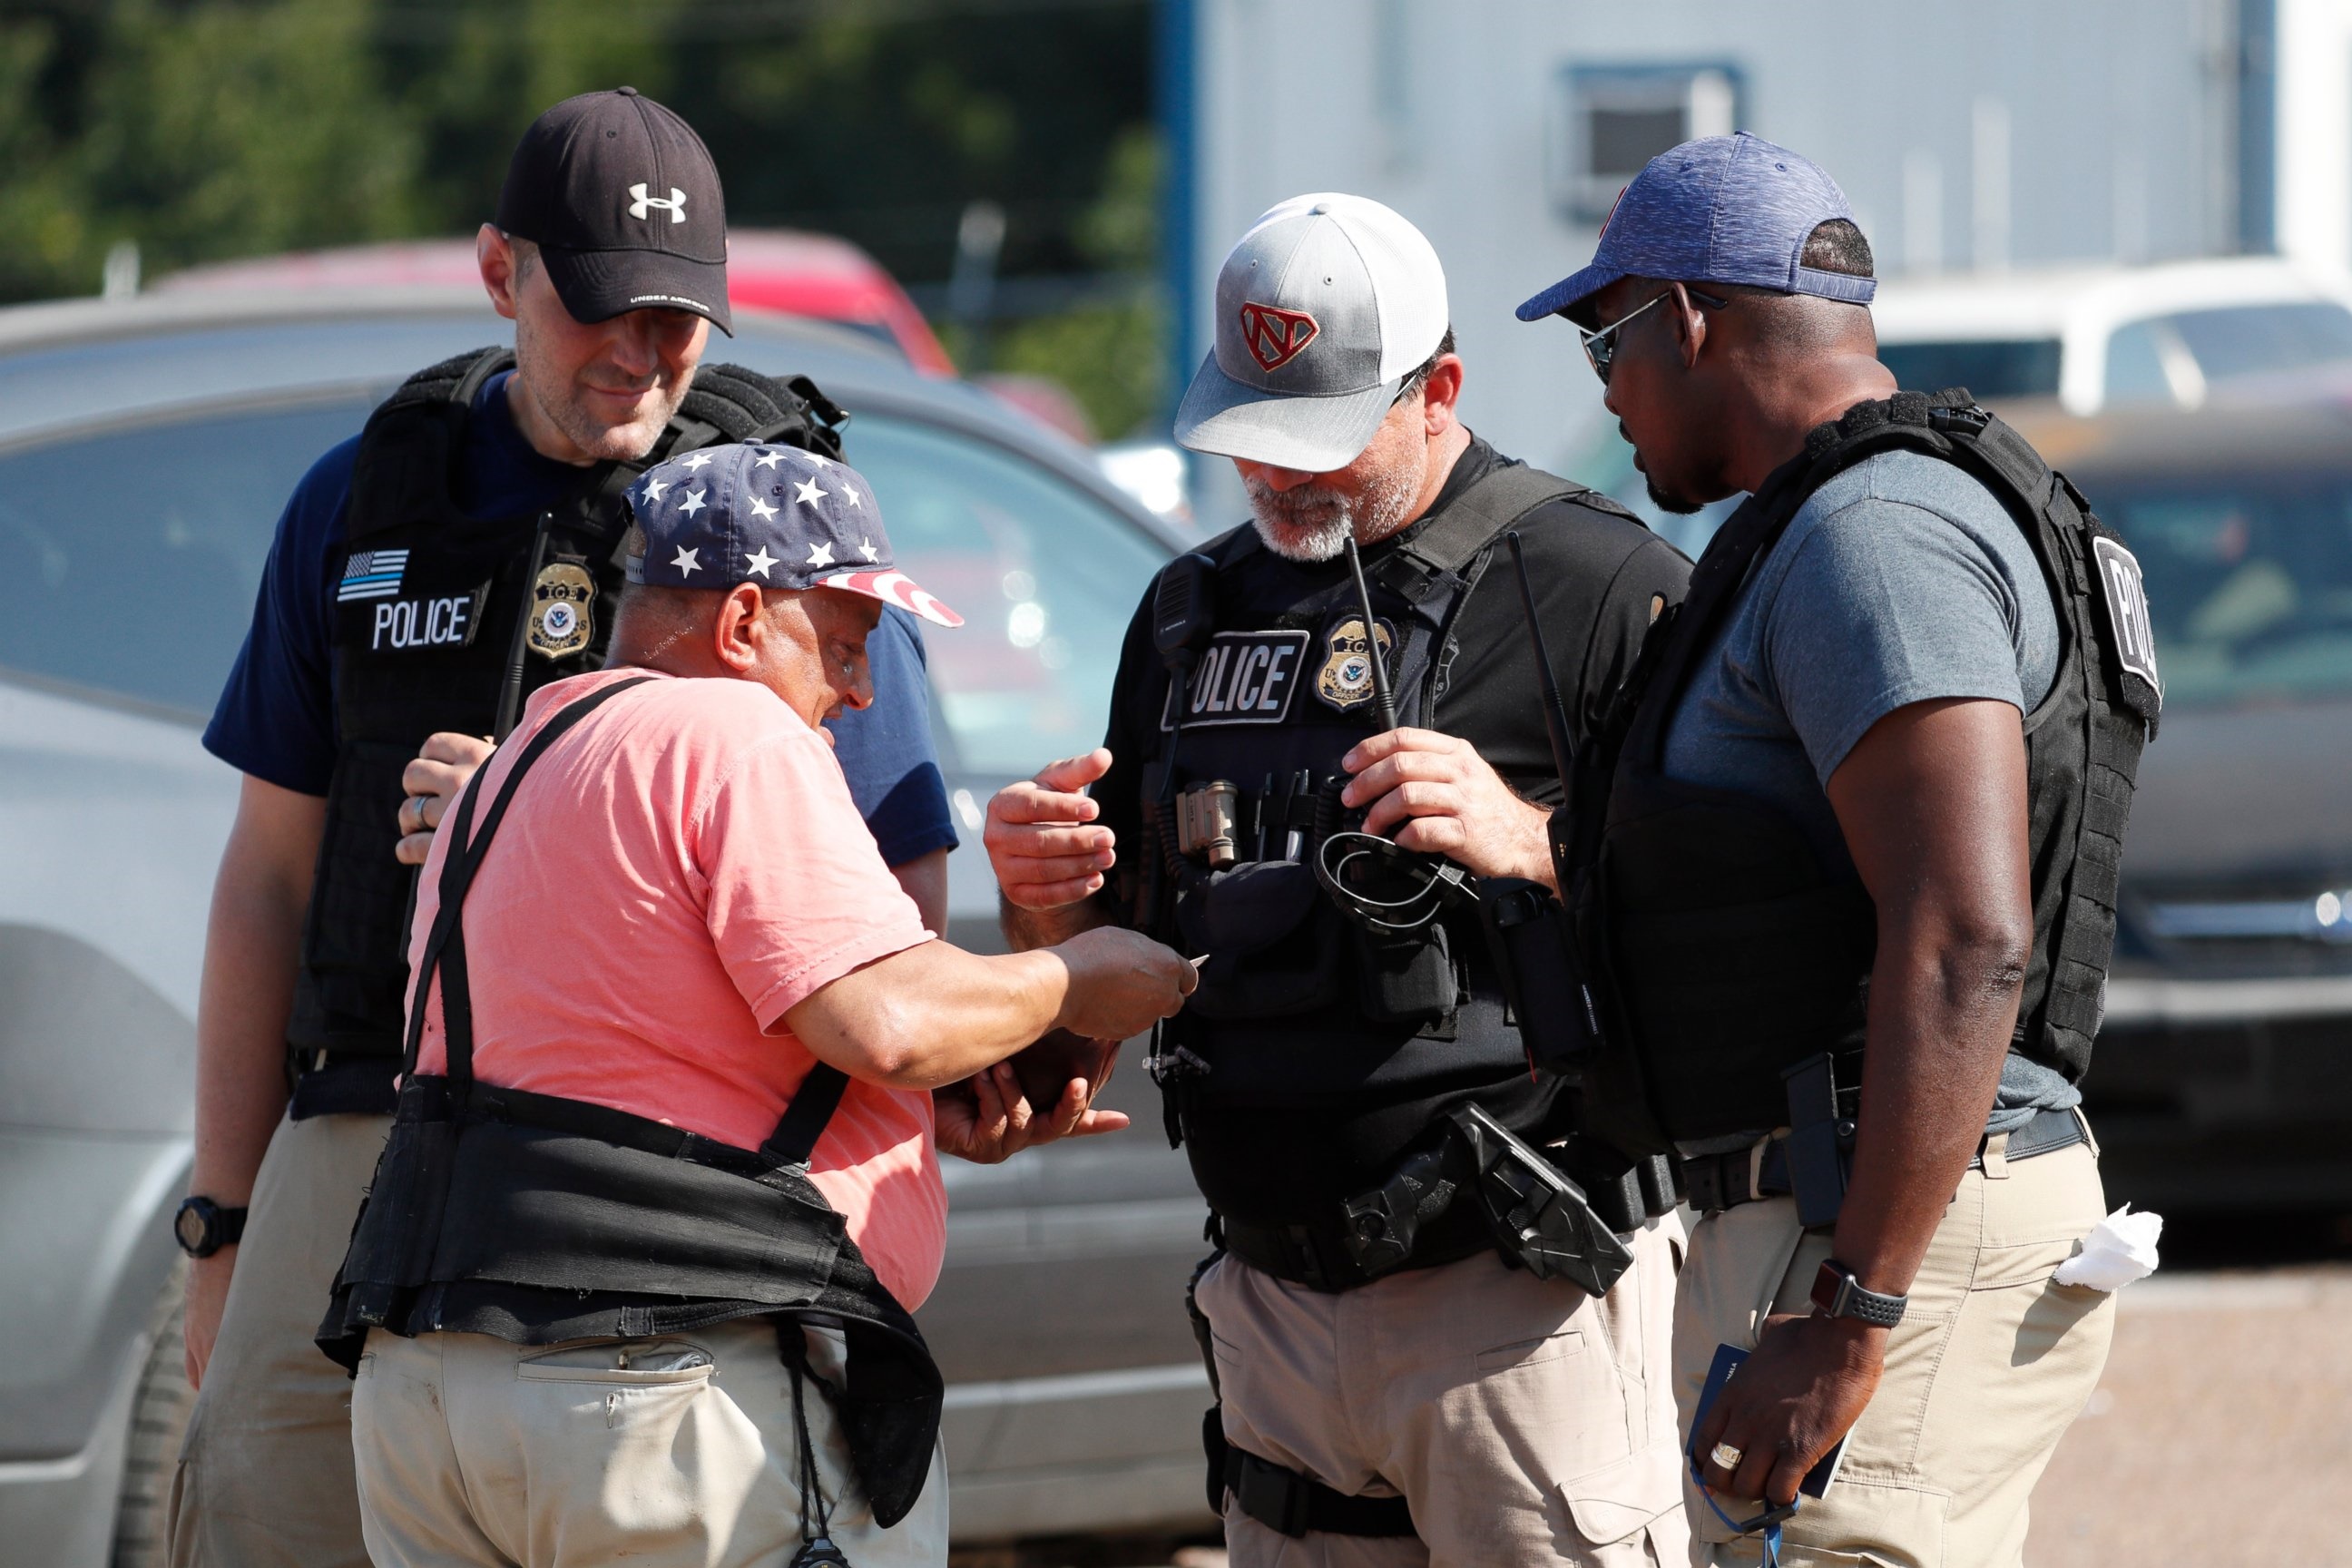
(2119, 1249)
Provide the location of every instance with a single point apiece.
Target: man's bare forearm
(252, 949)
(1942, 1007)
(1028, 930)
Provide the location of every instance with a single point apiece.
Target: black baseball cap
(623, 203)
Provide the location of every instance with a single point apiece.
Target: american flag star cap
(770, 514)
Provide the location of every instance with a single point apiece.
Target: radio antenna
(1563, 754)
(1373, 639)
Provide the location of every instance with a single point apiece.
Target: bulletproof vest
(537, 1218)
(445, 622)
(1297, 1005)
(1731, 951)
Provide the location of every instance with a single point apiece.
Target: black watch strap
(1838, 1294)
(202, 1227)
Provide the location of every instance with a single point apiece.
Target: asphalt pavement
(2221, 1434)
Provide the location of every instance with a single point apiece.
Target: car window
(2249, 583)
(2246, 340)
(1046, 576)
(2003, 368)
(133, 554)
(137, 553)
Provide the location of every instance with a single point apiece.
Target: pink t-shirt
(675, 874)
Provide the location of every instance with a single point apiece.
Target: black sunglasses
(1601, 345)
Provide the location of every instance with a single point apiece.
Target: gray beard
(1308, 524)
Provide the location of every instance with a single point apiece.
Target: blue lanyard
(1769, 1521)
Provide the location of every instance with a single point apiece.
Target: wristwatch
(202, 1227)
(1838, 1294)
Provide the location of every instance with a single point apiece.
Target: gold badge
(1345, 681)
(561, 621)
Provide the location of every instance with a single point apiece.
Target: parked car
(2219, 1079)
(146, 447)
(819, 276)
(2109, 337)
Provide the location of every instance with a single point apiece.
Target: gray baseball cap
(1328, 303)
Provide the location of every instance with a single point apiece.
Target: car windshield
(2249, 582)
(138, 550)
(1992, 367)
(2175, 358)
(1046, 576)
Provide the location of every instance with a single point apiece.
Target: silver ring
(1725, 1455)
(418, 801)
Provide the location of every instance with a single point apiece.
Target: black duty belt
(1370, 1235)
(1719, 1181)
(1317, 1257)
(330, 1085)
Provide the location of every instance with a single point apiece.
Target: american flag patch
(372, 574)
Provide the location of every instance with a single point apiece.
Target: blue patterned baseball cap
(1722, 209)
(770, 514)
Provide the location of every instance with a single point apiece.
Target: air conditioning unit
(1606, 122)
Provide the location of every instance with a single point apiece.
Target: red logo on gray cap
(1274, 336)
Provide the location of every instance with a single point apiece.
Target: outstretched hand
(986, 1119)
(1042, 840)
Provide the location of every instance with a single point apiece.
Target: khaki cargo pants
(1523, 1421)
(676, 1452)
(1990, 1366)
(265, 1473)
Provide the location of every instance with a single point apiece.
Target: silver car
(146, 447)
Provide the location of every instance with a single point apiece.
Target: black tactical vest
(433, 610)
(1731, 952)
(537, 1219)
(1296, 1007)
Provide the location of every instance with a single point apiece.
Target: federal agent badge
(1345, 681)
(560, 622)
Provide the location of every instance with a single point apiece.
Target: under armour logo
(1274, 336)
(643, 205)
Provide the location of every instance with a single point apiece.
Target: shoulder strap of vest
(731, 402)
(406, 467)
(457, 379)
(1908, 419)
(1507, 493)
(805, 1119)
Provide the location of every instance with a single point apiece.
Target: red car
(814, 275)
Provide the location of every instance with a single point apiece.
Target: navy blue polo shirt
(276, 718)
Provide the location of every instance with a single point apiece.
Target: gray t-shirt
(1900, 580)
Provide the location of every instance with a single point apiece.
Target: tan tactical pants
(676, 1452)
(265, 1473)
(1990, 1366)
(1523, 1421)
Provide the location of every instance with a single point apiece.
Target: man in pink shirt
(667, 1109)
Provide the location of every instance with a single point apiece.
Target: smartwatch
(1838, 1294)
(202, 1227)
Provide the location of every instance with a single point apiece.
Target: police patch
(1244, 677)
(2124, 594)
(1345, 681)
(561, 621)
